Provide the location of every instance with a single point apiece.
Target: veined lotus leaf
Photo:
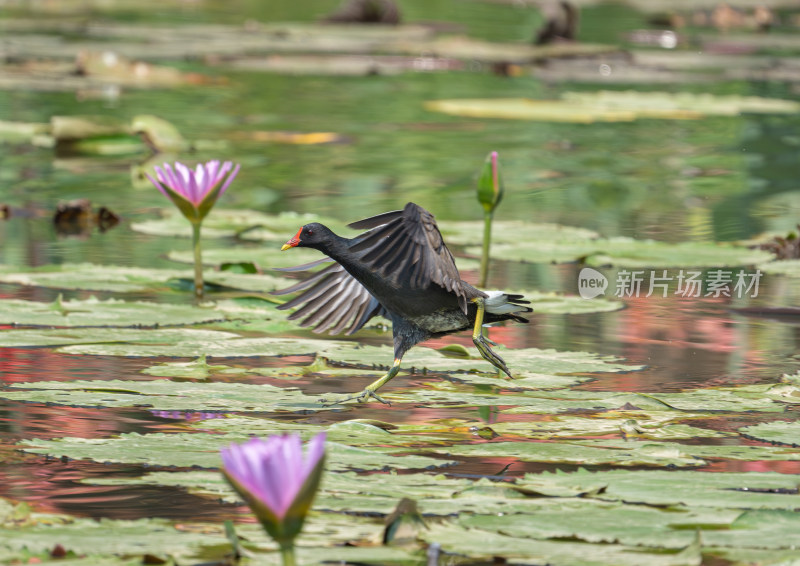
(613, 106)
(708, 401)
(164, 395)
(592, 521)
(202, 450)
(777, 432)
(640, 424)
(523, 380)
(266, 257)
(91, 277)
(96, 313)
(104, 536)
(787, 267)
(352, 432)
(580, 453)
(470, 233)
(109, 542)
(121, 337)
(218, 345)
(479, 543)
(196, 369)
(554, 303)
(627, 252)
(691, 489)
(525, 359)
(227, 223)
(726, 451)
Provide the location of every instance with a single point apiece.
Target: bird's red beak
(293, 242)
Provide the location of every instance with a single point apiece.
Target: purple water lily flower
(277, 481)
(273, 470)
(194, 191)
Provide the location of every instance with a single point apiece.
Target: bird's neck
(336, 248)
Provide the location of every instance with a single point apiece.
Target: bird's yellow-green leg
(481, 342)
(369, 390)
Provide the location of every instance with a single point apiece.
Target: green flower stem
(287, 554)
(198, 260)
(487, 240)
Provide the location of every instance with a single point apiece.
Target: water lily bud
(490, 183)
(194, 192)
(276, 480)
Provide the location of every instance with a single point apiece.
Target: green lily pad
(196, 369)
(787, 267)
(125, 542)
(91, 277)
(353, 432)
(202, 450)
(478, 543)
(101, 337)
(627, 252)
(582, 453)
(165, 395)
(222, 345)
(227, 223)
(691, 489)
(554, 303)
(470, 233)
(652, 426)
(777, 432)
(612, 106)
(93, 312)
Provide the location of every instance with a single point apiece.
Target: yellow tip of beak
(285, 247)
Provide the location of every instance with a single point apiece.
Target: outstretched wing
(332, 300)
(406, 247)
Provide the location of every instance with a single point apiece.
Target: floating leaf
(751, 490)
(202, 450)
(165, 395)
(120, 338)
(613, 106)
(777, 432)
(94, 312)
(227, 223)
(627, 252)
(92, 277)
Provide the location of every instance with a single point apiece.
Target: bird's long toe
(490, 356)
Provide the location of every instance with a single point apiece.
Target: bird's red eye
(309, 231)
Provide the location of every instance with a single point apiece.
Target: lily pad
(202, 450)
(751, 490)
(627, 252)
(613, 106)
(787, 267)
(119, 338)
(217, 345)
(165, 395)
(92, 277)
(777, 432)
(227, 223)
(95, 313)
(479, 543)
(581, 453)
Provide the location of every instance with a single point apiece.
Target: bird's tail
(513, 306)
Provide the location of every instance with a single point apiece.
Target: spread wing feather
(332, 300)
(406, 247)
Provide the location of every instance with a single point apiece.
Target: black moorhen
(399, 269)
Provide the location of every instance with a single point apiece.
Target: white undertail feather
(497, 303)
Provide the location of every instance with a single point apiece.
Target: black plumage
(401, 269)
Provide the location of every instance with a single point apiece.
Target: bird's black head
(309, 236)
